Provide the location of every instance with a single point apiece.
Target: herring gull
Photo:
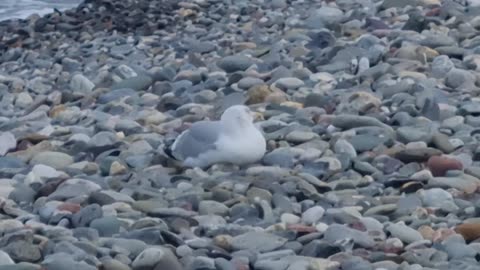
(233, 139)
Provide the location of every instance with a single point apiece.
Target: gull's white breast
(246, 147)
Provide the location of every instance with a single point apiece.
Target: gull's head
(238, 114)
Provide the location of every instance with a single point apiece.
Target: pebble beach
(370, 109)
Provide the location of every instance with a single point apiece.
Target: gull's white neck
(237, 127)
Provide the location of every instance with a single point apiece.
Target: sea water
(21, 9)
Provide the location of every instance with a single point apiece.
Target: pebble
(312, 215)
(106, 226)
(469, 231)
(80, 83)
(444, 143)
(337, 233)
(86, 215)
(7, 142)
(23, 251)
(437, 197)
(249, 82)
(343, 146)
(460, 183)
(63, 262)
(257, 241)
(457, 78)
(404, 233)
(23, 100)
(73, 188)
(112, 264)
(325, 16)
(56, 160)
(156, 258)
(353, 121)
(290, 218)
(370, 112)
(289, 83)
(235, 63)
(136, 83)
(258, 94)
(212, 208)
(5, 259)
(440, 165)
(441, 65)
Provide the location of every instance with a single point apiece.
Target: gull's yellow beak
(257, 116)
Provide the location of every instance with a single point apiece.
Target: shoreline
(73, 20)
(22, 9)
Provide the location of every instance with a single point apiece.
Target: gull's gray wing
(199, 138)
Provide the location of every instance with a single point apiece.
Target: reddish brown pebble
(301, 228)
(357, 225)
(469, 231)
(433, 12)
(70, 207)
(439, 165)
(239, 265)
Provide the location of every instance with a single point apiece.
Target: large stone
(5, 258)
(73, 188)
(86, 215)
(81, 83)
(441, 65)
(23, 251)
(289, 83)
(312, 215)
(57, 160)
(442, 142)
(212, 208)
(112, 264)
(343, 146)
(463, 183)
(141, 82)
(336, 232)
(125, 72)
(353, 121)
(399, 3)
(133, 246)
(106, 226)
(258, 241)
(414, 134)
(457, 78)
(65, 262)
(324, 16)
(156, 258)
(438, 198)
(439, 165)
(359, 103)
(417, 154)
(235, 63)
(404, 233)
(469, 231)
(115, 95)
(7, 142)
